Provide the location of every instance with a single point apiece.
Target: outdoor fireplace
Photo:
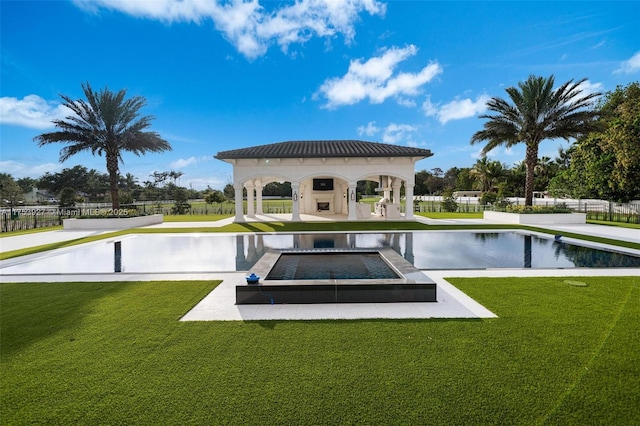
(323, 206)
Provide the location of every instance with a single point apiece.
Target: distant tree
(537, 112)
(420, 187)
(563, 159)
(450, 177)
(449, 203)
(106, 123)
(181, 202)
(277, 189)
(27, 184)
(159, 178)
(366, 187)
(10, 191)
(488, 173)
(229, 191)
(515, 179)
(464, 179)
(606, 163)
(68, 197)
(125, 197)
(74, 177)
(434, 184)
(128, 181)
(175, 176)
(214, 196)
(90, 182)
(544, 171)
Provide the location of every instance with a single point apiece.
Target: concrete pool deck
(219, 305)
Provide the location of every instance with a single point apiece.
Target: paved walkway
(219, 305)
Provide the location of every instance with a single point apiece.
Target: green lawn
(620, 224)
(30, 231)
(115, 353)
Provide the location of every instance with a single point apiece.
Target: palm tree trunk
(112, 168)
(530, 161)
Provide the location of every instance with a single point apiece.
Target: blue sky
(233, 74)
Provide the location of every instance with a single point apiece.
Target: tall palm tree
(537, 112)
(106, 123)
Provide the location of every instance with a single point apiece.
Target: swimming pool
(201, 252)
(331, 266)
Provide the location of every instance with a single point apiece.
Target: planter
(537, 218)
(112, 223)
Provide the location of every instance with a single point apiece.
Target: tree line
(603, 160)
(603, 163)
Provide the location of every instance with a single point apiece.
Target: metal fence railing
(594, 209)
(42, 217)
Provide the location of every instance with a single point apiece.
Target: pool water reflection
(147, 253)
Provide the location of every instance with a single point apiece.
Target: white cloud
(405, 102)
(375, 79)
(429, 108)
(31, 111)
(630, 66)
(249, 26)
(369, 130)
(456, 109)
(394, 133)
(20, 170)
(500, 153)
(185, 162)
(588, 87)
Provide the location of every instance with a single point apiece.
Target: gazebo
(324, 175)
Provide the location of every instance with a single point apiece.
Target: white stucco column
(397, 183)
(386, 185)
(344, 199)
(295, 197)
(238, 199)
(258, 184)
(408, 249)
(250, 190)
(351, 196)
(408, 205)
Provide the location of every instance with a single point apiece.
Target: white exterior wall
(349, 169)
(346, 172)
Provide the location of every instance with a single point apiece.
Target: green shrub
(537, 209)
(488, 198)
(449, 203)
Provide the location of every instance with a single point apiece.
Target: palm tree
(563, 159)
(106, 123)
(488, 173)
(175, 176)
(538, 112)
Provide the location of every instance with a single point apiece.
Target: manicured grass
(620, 224)
(30, 231)
(115, 353)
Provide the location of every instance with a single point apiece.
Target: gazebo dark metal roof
(324, 149)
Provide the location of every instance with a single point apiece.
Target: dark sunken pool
(331, 266)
